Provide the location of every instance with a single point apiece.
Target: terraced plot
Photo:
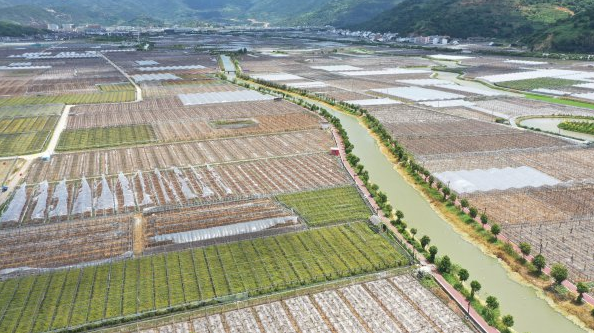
(328, 206)
(75, 297)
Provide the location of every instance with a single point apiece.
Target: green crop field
(31, 110)
(125, 86)
(586, 127)
(214, 274)
(106, 137)
(23, 143)
(25, 135)
(73, 99)
(531, 84)
(342, 204)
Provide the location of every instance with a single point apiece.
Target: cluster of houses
(395, 37)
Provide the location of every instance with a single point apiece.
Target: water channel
(531, 313)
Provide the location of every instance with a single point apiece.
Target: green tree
(508, 320)
(492, 302)
(484, 219)
(399, 216)
(473, 212)
(453, 197)
(559, 273)
(413, 231)
(425, 240)
(475, 287)
(525, 248)
(539, 262)
(581, 289)
(444, 265)
(464, 203)
(495, 230)
(432, 253)
(446, 191)
(463, 275)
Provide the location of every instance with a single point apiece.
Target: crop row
(342, 204)
(107, 97)
(75, 297)
(23, 143)
(106, 137)
(27, 124)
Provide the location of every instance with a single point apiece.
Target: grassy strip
(563, 101)
(123, 291)
(322, 207)
(100, 137)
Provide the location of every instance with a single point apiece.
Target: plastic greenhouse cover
(84, 199)
(61, 195)
(206, 191)
(105, 200)
(41, 199)
(185, 187)
(15, 208)
(218, 179)
(126, 190)
(146, 198)
(160, 178)
(224, 231)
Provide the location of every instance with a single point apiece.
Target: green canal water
(531, 313)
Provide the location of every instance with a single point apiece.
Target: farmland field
(23, 143)
(530, 84)
(106, 137)
(578, 126)
(329, 206)
(31, 110)
(107, 97)
(74, 297)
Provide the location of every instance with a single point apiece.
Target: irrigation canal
(531, 313)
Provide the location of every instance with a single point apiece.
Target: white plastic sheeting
(278, 77)
(146, 198)
(41, 201)
(449, 57)
(15, 208)
(526, 62)
(473, 90)
(162, 185)
(551, 91)
(169, 68)
(448, 104)
(146, 62)
(8, 68)
(218, 180)
(105, 199)
(126, 190)
(84, 198)
(225, 231)
(425, 82)
(374, 101)
(589, 96)
(418, 93)
(468, 181)
(61, 197)
(310, 84)
(206, 191)
(184, 184)
(386, 71)
(155, 77)
(223, 97)
(589, 85)
(536, 74)
(337, 68)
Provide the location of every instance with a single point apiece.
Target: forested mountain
(545, 24)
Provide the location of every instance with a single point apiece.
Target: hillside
(282, 12)
(8, 29)
(563, 22)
